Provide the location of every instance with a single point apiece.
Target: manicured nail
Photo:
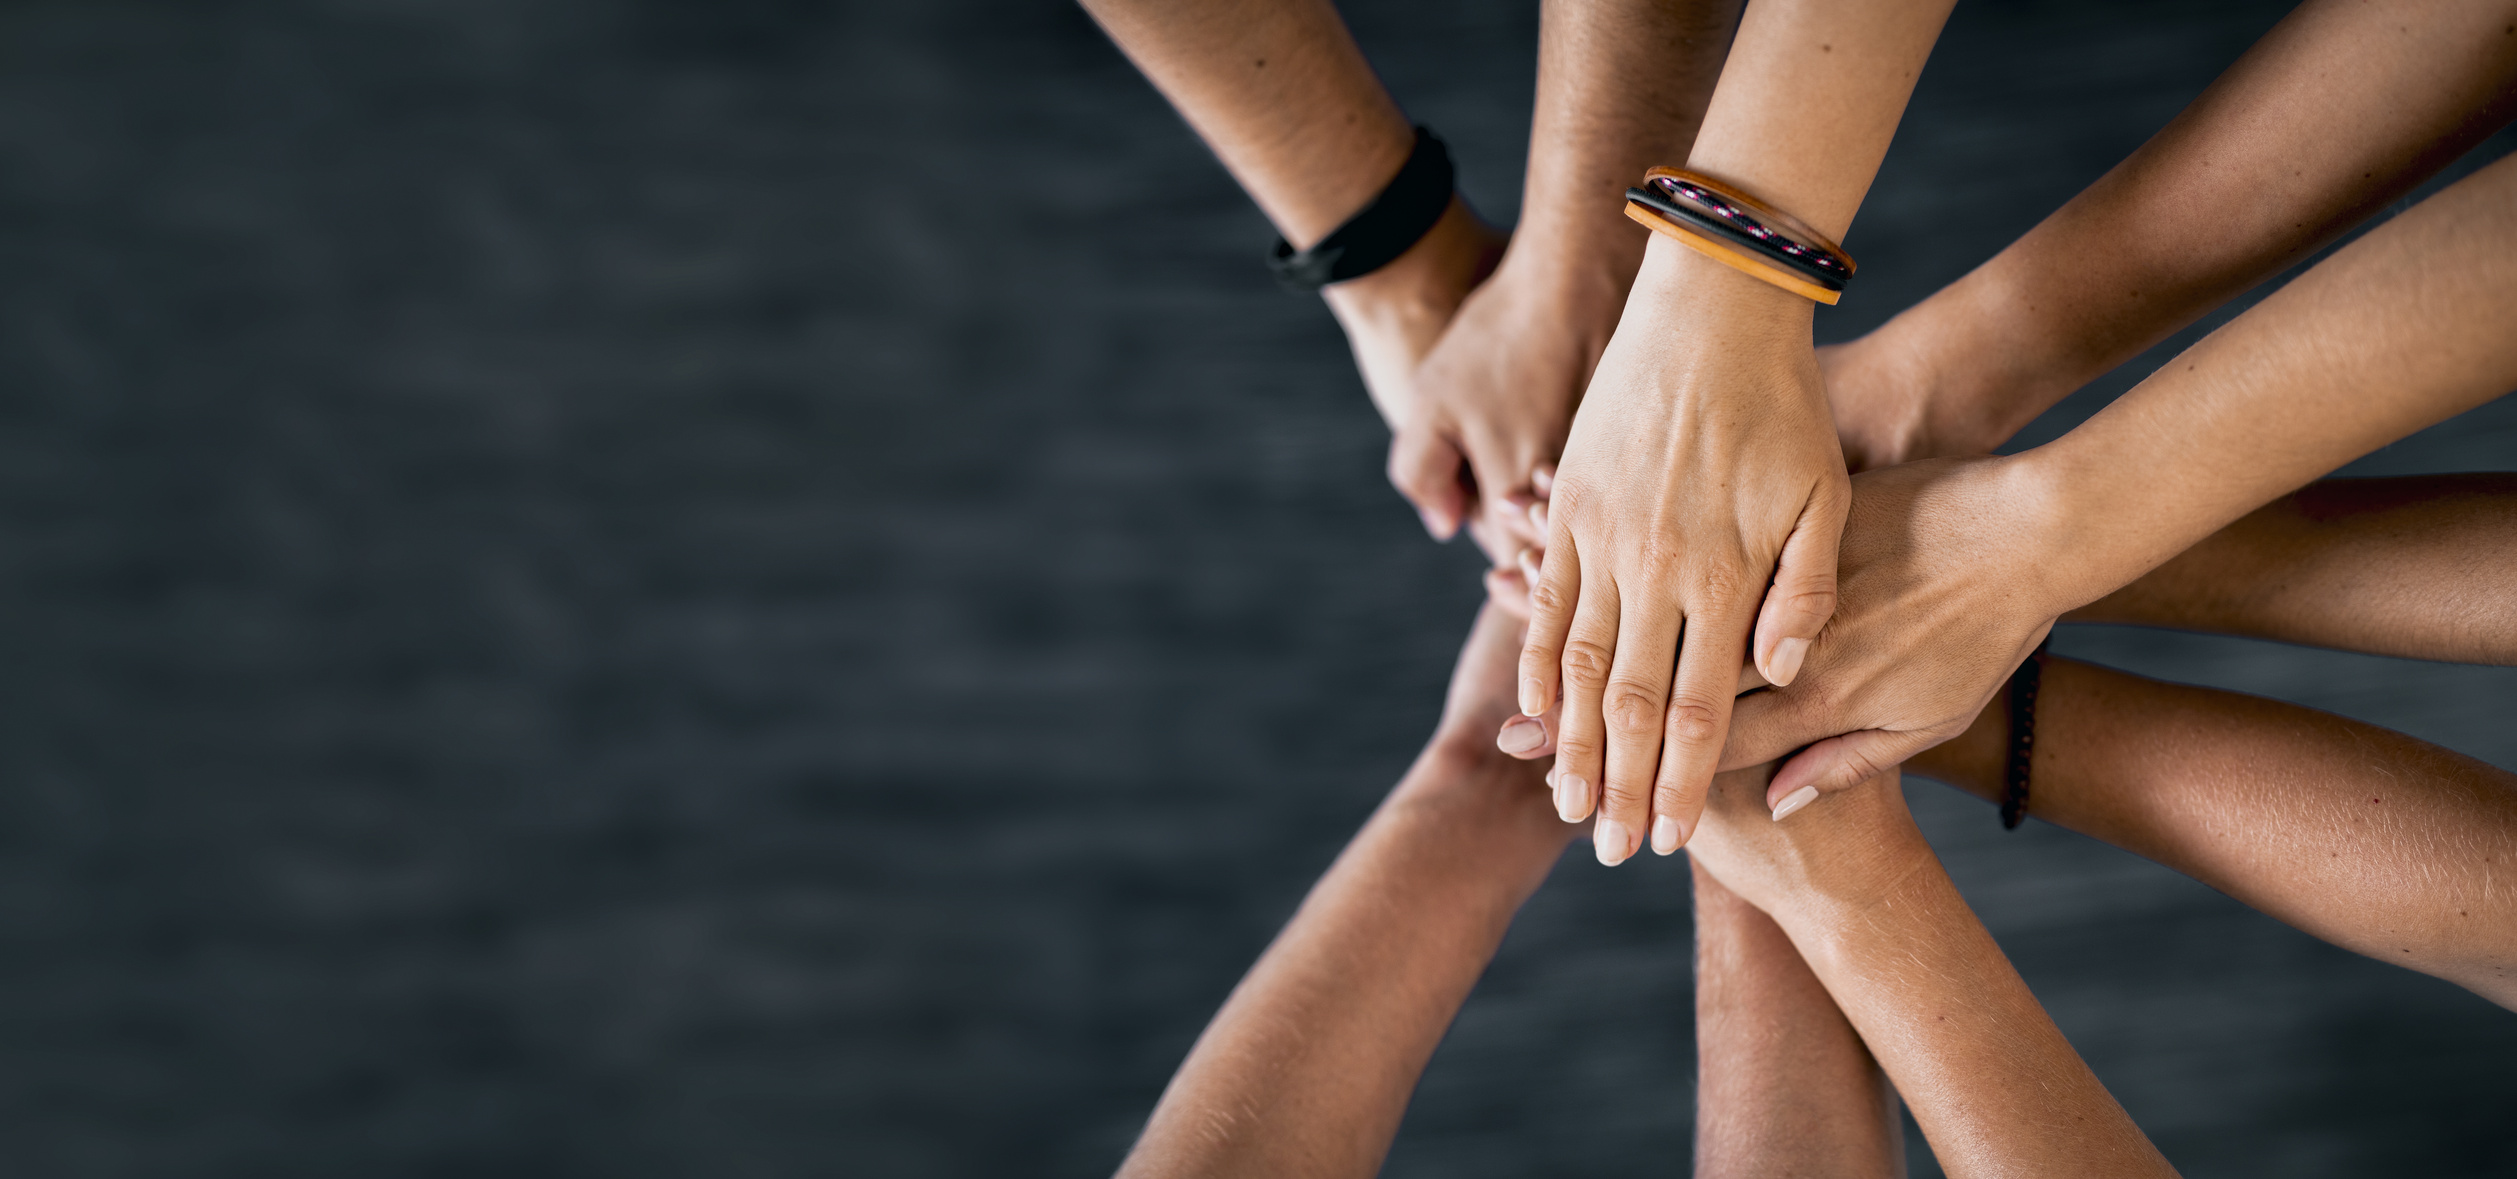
(1573, 798)
(1784, 666)
(1543, 480)
(1533, 698)
(1440, 527)
(1794, 801)
(1665, 835)
(1610, 842)
(1520, 735)
(1538, 516)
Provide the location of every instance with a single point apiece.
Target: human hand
(1701, 469)
(1494, 399)
(1945, 591)
(1394, 316)
(1846, 858)
(1892, 405)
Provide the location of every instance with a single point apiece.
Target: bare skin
(1992, 1082)
(1703, 465)
(1784, 1085)
(2340, 110)
(1308, 1067)
(1284, 97)
(2367, 838)
(2418, 567)
(1956, 568)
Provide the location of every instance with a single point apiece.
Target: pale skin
(1953, 570)
(2340, 110)
(1284, 97)
(1702, 466)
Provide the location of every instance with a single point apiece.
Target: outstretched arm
(1309, 1065)
(1280, 92)
(2338, 111)
(1622, 85)
(1702, 465)
(1992, 1082)
(1784, 1085)
(2367, 838)
(2422, 567)
(1953, 569)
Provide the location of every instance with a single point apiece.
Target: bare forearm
(1281, 93)
(1810, 98)
(1621, 86)
(2401, 329)
(2423, 567)
(1992, 1082)
(1309, 1065)
(2367, 838)
(1783, 1083)
(2287, 150)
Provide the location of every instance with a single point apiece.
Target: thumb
(1802, 598)
(1425, 468)
(1841, 763)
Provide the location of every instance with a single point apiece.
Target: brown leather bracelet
(1741, 232)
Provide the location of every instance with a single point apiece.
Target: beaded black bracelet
(2014, 771)
(1391, 225)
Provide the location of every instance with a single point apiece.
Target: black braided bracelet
(1391, 225)
(2014, 773)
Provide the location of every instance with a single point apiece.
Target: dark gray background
(758, 588)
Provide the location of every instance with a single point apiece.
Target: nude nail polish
(1611, 842)
(1520, 735)
(1784, 664)
(1665, 835)
(1573, 798)
(1794, 801)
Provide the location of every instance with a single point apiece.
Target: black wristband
(1388, 227)
(2014, 770)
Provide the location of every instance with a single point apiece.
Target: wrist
(1680, 291)
(2057, 512)
(1414, 297)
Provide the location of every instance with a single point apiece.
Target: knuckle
(1577, 749)
(1811, 603)
(1626, 795)
(1694, 722)
(1586, 663)
(1548, 598)
(1631, 709)
(1720, 584)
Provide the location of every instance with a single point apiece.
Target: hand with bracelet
(1954, 569)
(1702, 492)
(1472, 352)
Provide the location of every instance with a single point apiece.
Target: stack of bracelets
(1741, 232)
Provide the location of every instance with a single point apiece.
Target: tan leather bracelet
(1741, 232)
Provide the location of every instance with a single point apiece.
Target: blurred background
(769, 588)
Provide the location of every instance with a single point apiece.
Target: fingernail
(1794, 801)
(1543, 480)
(1529, 565)
(1785, 663)
(1538, 516)
(1520, 735)
(1573, 797)
(1609, 841)
(1533, 698)
(1665, 835)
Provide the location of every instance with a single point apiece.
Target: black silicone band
(2014, 770)
(1728, 232)
(1388, 227)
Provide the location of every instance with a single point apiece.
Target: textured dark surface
(566, 610)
